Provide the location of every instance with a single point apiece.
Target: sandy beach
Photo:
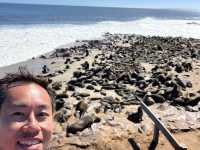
(97, 84)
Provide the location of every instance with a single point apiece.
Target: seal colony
(98, 83)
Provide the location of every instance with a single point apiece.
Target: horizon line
(123, 7)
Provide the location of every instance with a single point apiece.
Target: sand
(114, 132)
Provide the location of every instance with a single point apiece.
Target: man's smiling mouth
(29, 142)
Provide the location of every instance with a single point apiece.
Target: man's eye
(18, 116)
(42, 115)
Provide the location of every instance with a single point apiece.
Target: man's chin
(38, 146)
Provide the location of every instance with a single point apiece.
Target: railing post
(155, 139)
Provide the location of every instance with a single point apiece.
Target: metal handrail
(159, 126)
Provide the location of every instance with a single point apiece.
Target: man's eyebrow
(18, 105)
(43, 106)
(22, 105)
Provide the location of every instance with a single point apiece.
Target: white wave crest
(19, 43)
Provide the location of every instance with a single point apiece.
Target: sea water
(27, 31)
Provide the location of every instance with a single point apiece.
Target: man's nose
(32, 125)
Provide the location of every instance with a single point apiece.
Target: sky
(179, 4)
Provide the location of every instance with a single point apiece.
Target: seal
(136, 117)
(82, 107)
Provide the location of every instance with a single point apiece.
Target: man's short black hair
(23, 76)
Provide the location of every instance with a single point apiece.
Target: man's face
(26, 121)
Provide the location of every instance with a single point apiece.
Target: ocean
(27, 31)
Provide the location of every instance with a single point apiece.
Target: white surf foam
(19, 43)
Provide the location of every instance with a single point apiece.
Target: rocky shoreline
(98, 84)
